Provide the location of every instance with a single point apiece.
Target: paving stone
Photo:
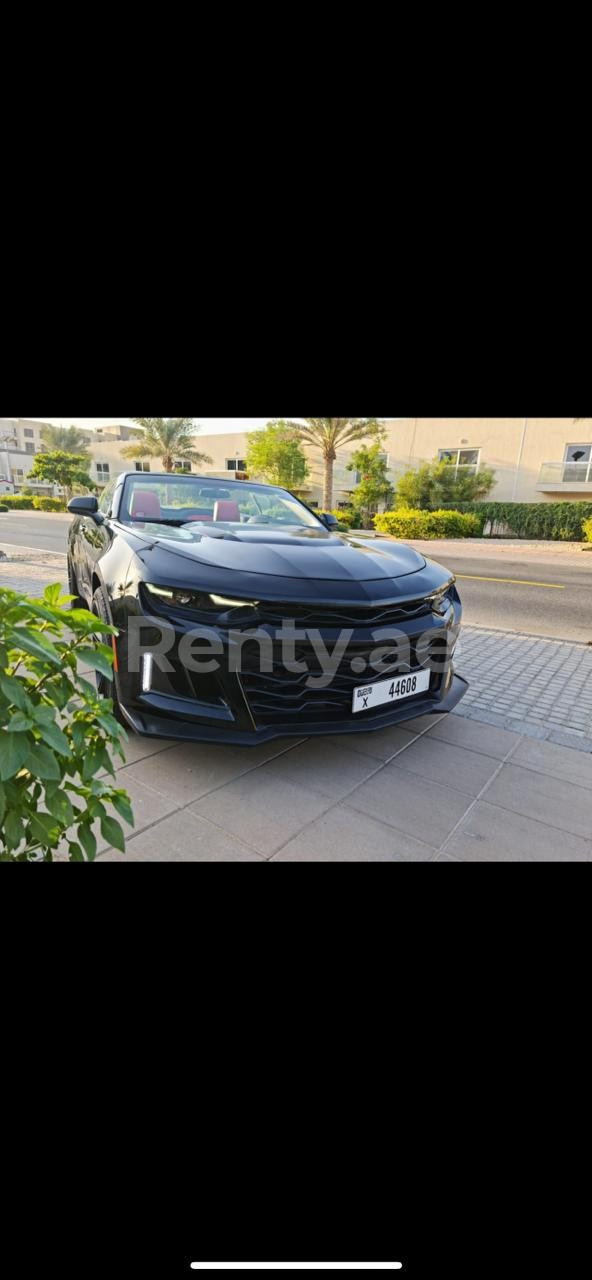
(561, 804)
(491, 834)
(453, 766)
(193, 769)
(183, 838)
(557, 761)
(344, 835)
(383, 744)
(331, 770)
(422, 808)
(261, 810)
(472, 735)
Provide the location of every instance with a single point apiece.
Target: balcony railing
(571, 474)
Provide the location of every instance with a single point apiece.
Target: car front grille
(283, 697)
(321, 616)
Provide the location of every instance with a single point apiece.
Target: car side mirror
(86, 507)
(329, 520)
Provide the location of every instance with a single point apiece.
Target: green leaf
(42, 763)
(14, 749)
(122, 805)
(35, 644)
(111, 831)
(53, 593)
(59, 806)
(15, 692)
(78, 735)
(93, 761)
(19, 723)
(76, 854)
(98, 661)
(2, 802)
(45, 829)
(14, 832)
(88, 841)
(55, 738)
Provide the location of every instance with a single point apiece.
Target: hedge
(587, 527)
(406, 523)
(558, 521)
(3, 508)
(17, 502)
(346, 518)
(49, 504)
(23, 502)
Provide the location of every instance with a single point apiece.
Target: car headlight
(441, 600)
(200, 602)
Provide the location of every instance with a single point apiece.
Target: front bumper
(246, 706)
(150, 720)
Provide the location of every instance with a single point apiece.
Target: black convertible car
(243, 615)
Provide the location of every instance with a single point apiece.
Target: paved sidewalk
(443, 789)
(542, 688)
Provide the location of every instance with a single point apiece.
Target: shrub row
(587, 527)
(22, 502)
(346, 518)
(406, 523)
(558, 521)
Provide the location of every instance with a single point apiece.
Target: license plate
(393, 690)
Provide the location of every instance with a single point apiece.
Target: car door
(92, 540)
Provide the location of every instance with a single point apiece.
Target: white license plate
(392, 690)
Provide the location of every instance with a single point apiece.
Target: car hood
(298, 553)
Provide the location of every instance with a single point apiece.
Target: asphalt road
(545, 592)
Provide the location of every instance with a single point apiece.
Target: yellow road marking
(517, 582)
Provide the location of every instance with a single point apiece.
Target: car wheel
(105, 688)
(77, 602)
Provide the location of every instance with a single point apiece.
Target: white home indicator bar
(296, 1266)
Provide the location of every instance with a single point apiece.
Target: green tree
(65, 469)
(276, 455)
(64, 440)
(330, 434)
(171, 439)
(436, 484)
(374, 486)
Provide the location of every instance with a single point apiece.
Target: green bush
(55, 732)
(49, 504)
(587, 528)
(406, 523)
(17, 501)
(347, 518)
(558, 521)
(2, 507)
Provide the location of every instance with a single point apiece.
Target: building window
(236, 464)
(102, 470)
(29, 448)
(142, 466)
(465, 460)
(183, 466)
(30, 433)
(578, 460)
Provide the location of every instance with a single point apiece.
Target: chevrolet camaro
(242, 615)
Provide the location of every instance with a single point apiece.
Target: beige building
(535, 459)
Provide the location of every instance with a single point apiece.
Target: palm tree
(171, 439)
(331, 434)
(64, 440)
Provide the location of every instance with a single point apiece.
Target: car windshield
(181, 501)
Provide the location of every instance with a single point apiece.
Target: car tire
(106, 688)
(77, 602)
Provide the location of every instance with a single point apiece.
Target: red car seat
(145, 505)
(225, 510)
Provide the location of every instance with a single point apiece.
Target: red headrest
(227, 511)
(145, 505)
